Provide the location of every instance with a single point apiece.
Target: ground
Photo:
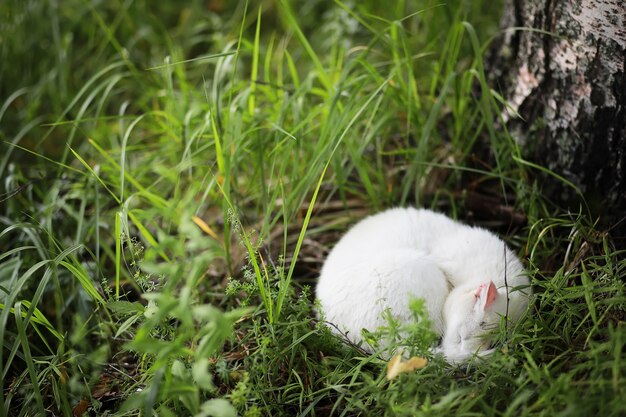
(173, 176)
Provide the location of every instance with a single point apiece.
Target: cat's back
(393, 228)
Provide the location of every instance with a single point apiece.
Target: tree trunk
(570, 90)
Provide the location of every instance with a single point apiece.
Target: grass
(173, 176)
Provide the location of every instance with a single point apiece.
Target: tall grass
(173, 175)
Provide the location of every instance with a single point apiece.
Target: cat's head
(470, 314)
(476, 255)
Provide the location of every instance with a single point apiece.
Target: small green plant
(173, 176)
(413, 338)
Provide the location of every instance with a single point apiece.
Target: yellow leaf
(205, 227)
(395, 366)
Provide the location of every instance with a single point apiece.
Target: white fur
(387, 258)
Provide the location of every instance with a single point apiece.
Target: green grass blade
(254, 74)
(293, 24)
(96, 176)
(23, 339)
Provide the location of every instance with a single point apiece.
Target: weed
(173, 176)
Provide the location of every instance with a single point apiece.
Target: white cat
(458, 270)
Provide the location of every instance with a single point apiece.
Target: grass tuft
(174, 175)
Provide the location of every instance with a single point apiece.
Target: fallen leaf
(80, 408)
(205, 227)
(395, 366)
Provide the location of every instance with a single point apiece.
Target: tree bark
(570, 90)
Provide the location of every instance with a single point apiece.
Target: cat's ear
(486, 294)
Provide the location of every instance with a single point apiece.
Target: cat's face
(469, 317)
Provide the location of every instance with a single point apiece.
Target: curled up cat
(458, 270)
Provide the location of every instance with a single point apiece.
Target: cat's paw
(459, 356)
(452, 356)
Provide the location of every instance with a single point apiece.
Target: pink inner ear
(492, 292)
(486, 293)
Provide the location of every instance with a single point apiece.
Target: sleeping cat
(459, 271)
